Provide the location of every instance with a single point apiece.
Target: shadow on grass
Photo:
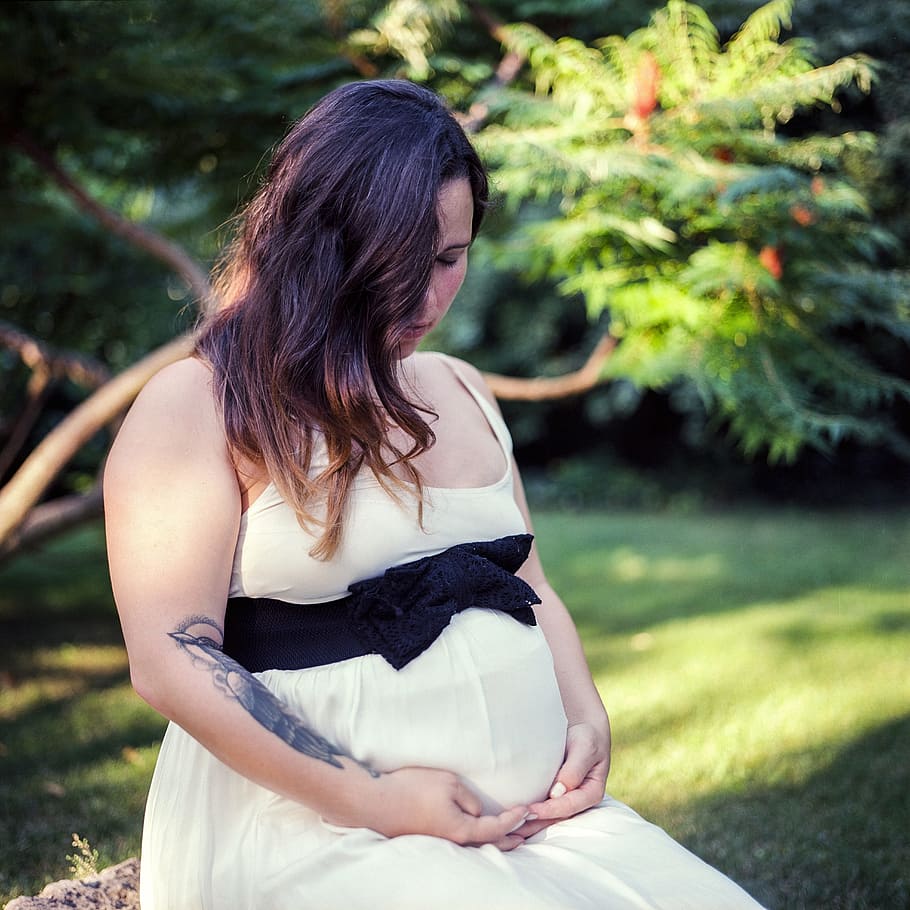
(74, 762)
(839, 841)
(64, 732)
(57, 595)
(76, 745)
(55, 607)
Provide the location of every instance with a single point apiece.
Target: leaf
(762, 26)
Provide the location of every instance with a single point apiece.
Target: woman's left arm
(580, 782)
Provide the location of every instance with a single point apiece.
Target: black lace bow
(402, 612)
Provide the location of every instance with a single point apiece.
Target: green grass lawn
(756, 667)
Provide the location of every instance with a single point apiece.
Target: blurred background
(692, 298)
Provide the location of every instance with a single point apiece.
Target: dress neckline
(367, 478)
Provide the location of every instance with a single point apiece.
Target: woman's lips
(417, 331)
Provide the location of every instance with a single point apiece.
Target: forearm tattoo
(201, 638)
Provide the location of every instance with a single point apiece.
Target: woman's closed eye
(450, 256)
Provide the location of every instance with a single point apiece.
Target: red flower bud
(802, 215)
(644, 88)
(770, 258)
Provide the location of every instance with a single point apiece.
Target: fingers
(467, 800)
(509, 842)
(588, 793)
(440, 804)
(492, 829)
(533, 826)
(476, 828)
(528, 829)
(581, 756)
(580, 782)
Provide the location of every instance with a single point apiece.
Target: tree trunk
(36, 394)
(36, 355)
(47, 364)
(52, 518)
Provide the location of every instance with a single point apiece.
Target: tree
(721, 248)
(713, 245)
(148, 123)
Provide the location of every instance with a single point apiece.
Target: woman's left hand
(580, 782)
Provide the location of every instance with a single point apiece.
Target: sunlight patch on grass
(57, 674)
(627, 565)
(87, 660)
(22, 698)
(764, 696)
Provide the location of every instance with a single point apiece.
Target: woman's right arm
(172, 512)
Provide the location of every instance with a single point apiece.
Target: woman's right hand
(434, 802)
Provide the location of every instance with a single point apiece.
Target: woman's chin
(408, 346)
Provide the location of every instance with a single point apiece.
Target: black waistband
(398, 614)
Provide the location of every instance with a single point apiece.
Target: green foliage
(408, 29)
(647, 181)
(164, 115)
(84, 862)
(723, 248)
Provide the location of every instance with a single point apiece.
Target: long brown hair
(330, 266)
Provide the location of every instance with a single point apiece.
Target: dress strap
(492, 415)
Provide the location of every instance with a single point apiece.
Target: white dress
(482, 701)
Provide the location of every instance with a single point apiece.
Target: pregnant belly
(482, 701)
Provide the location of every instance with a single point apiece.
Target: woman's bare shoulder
(468, 372)
(180, 390)
(189, 377)
(175, 416)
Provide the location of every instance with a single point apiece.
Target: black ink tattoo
(201, 638)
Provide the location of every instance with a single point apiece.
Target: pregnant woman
(322, 560)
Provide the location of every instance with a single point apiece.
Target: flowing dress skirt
(481, 701)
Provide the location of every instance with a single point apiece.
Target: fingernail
(558, 789)
(531, 816)
(518, 824)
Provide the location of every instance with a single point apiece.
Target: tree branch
(333, 18)
(36, 473)
(151, 242)
(46, 364)
(545, 388)
(36, 394)
(506, 72)
(35, 354)
(488, 21)
(52, 518)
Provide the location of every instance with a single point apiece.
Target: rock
(116, 888)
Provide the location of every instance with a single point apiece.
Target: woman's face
(455, 211)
